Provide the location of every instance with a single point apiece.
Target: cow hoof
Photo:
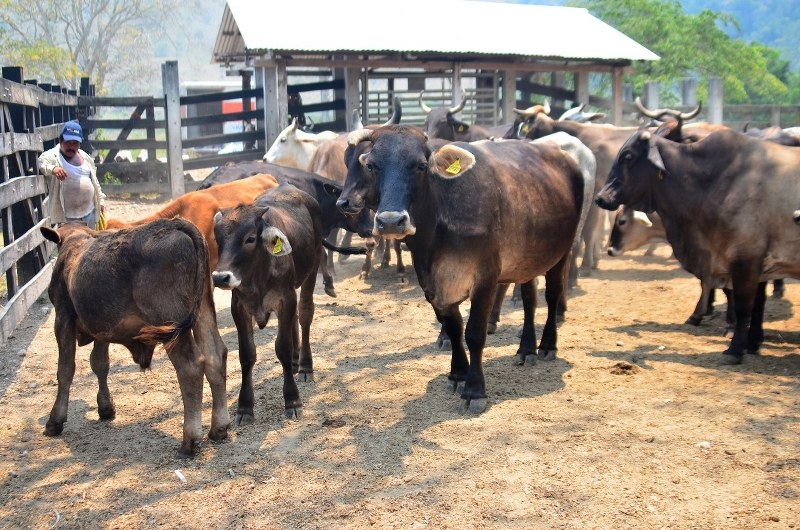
(521, 359)
(330, 291)
(107, 414)
(443, 344)
(401, 270)
(182, 455)
(694, 320)
(547, 355)
(491, 328)
(474, 405)
(777, 293)
(218, 434)
(294, 413)
(363, 275)
(305, 377)
(244, 418)
(53, 429)
(728, 359)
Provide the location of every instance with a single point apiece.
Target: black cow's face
(630, 178)
(439, 123)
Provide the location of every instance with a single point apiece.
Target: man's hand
(59, 173)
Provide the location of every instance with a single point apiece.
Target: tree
(694, 46)
(100, 39)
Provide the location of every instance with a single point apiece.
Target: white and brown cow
(139, 287)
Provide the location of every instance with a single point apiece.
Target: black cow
(727, 203)
(139, 287)
(473, 215)
(267, 250)
(442, 123)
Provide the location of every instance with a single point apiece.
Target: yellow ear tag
(455, 167)
(278, 246)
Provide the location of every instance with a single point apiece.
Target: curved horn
(660, 113)
(531, 112)
(397, 112)
(458, 108)
(355, 121)
(422, 105)
(356, 137)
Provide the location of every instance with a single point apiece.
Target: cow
(726, 202)
(200, 206)
(441, 123)
(473, 215)
(605, 141)
(293, 147)
(789, 136)
(325, 191)
(138, 287)
(268, 250)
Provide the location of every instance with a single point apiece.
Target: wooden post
(172, 107)
(616, 96)
(689, 92)
(581, 88)
(352, 78)
(715, 100)
(509, 97)
(651, 94)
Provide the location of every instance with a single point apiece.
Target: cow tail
(344, 250)
(167, 334)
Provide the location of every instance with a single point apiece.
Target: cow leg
(305, 364)
(592, 232)
(573, 266)
(474, 393)
(494, 315)
(247, 359)
(187, 360)
(777, 288)
(98, 360)
(745, 288)
(285, 348)
(347, 241)
(66, 339)
(206, 334)
(554, 288)
(527, 344)
(398, 250)
(755, 335)
(327, 278)
(705, 305)
(370, 244)
(333, 239)
(453, 329)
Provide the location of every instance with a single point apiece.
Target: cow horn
(355, 121)
(458, 108)
(422, 105)
(397, 112)
(356, 137)
(532, 112)
(660, 113)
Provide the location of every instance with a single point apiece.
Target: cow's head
(245, 239)
(534, 121)
(637, 168)
(441, 122)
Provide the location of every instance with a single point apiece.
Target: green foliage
(695, 46)
(109, 178)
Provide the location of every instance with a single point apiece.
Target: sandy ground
(635, 425)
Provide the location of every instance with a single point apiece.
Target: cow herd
(477, 213)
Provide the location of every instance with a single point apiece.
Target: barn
(349, 56)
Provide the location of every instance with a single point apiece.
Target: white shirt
(77, 191)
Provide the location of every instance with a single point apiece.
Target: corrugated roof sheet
(415, 26)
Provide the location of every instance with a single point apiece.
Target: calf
(138, 287)
(267, 251)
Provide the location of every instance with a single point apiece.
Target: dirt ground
(636, 425)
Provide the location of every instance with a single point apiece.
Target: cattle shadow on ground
(13, 352)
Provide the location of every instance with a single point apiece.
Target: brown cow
(267, 250)
(139, 287)
(200, 206)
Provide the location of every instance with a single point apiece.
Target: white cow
(294, 147)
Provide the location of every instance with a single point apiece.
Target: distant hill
(773, 23)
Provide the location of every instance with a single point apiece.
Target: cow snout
(606, 202)
(614, 251)
(225, 279)
(796, 217)
(394, 225)
(348, 207)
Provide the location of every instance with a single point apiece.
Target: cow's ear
(276, 242)
(333, 191)
(451, 162)
(217, 217)
(50, 234)
(653, 154)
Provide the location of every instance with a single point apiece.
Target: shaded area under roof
(439, 29)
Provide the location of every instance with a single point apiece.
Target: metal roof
(454, 28)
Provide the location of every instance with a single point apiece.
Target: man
(75, 193)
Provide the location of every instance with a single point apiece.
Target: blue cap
(72, 131)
